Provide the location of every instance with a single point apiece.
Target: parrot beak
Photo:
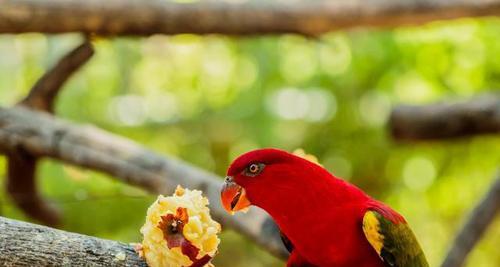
(233, 196)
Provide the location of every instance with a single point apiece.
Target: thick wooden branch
(25, 244)
(477, 223)
(136, 17)
(480, 115)
(44, 92)
(42, 135)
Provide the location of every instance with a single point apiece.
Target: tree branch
(42, 135)
(133, 17)
(25, 244)
(21, 168)
(21, 186)
(480, 115)
(44, 92)
(477, 223)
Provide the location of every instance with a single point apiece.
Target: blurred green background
(207, 99)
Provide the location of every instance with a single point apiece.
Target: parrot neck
(295, 201)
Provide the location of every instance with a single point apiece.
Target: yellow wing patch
(371, 228)
(301, 153)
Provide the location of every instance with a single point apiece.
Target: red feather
(320, 214)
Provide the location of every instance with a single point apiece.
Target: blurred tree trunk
(480, 115)
(133, 17)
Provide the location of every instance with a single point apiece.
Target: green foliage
(207, 99)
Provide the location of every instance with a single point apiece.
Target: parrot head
(265, 178)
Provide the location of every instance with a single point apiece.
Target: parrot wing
(395, 243)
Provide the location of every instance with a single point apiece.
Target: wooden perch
(134, 17)
(41, 135)
(480, 115)
(25, 244)
(472, 231)
(21, 167)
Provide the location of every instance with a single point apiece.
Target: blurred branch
(21, 168)
(27, 134)
(477, 223)
(43, 94)
(42, 135)
(25, 244)
(133, 17)
(21, 186)
(480, 115)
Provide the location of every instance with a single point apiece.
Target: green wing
(395, 243)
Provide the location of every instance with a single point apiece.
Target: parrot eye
(254, 169)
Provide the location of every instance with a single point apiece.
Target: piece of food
(324, 220)
(179, 231)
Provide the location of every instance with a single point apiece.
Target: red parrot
(324, 221)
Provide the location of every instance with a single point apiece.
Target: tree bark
(137, 17)
(42, 135)
(480, 115)
(26, 244)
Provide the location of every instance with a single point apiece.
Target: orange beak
(233, 196)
